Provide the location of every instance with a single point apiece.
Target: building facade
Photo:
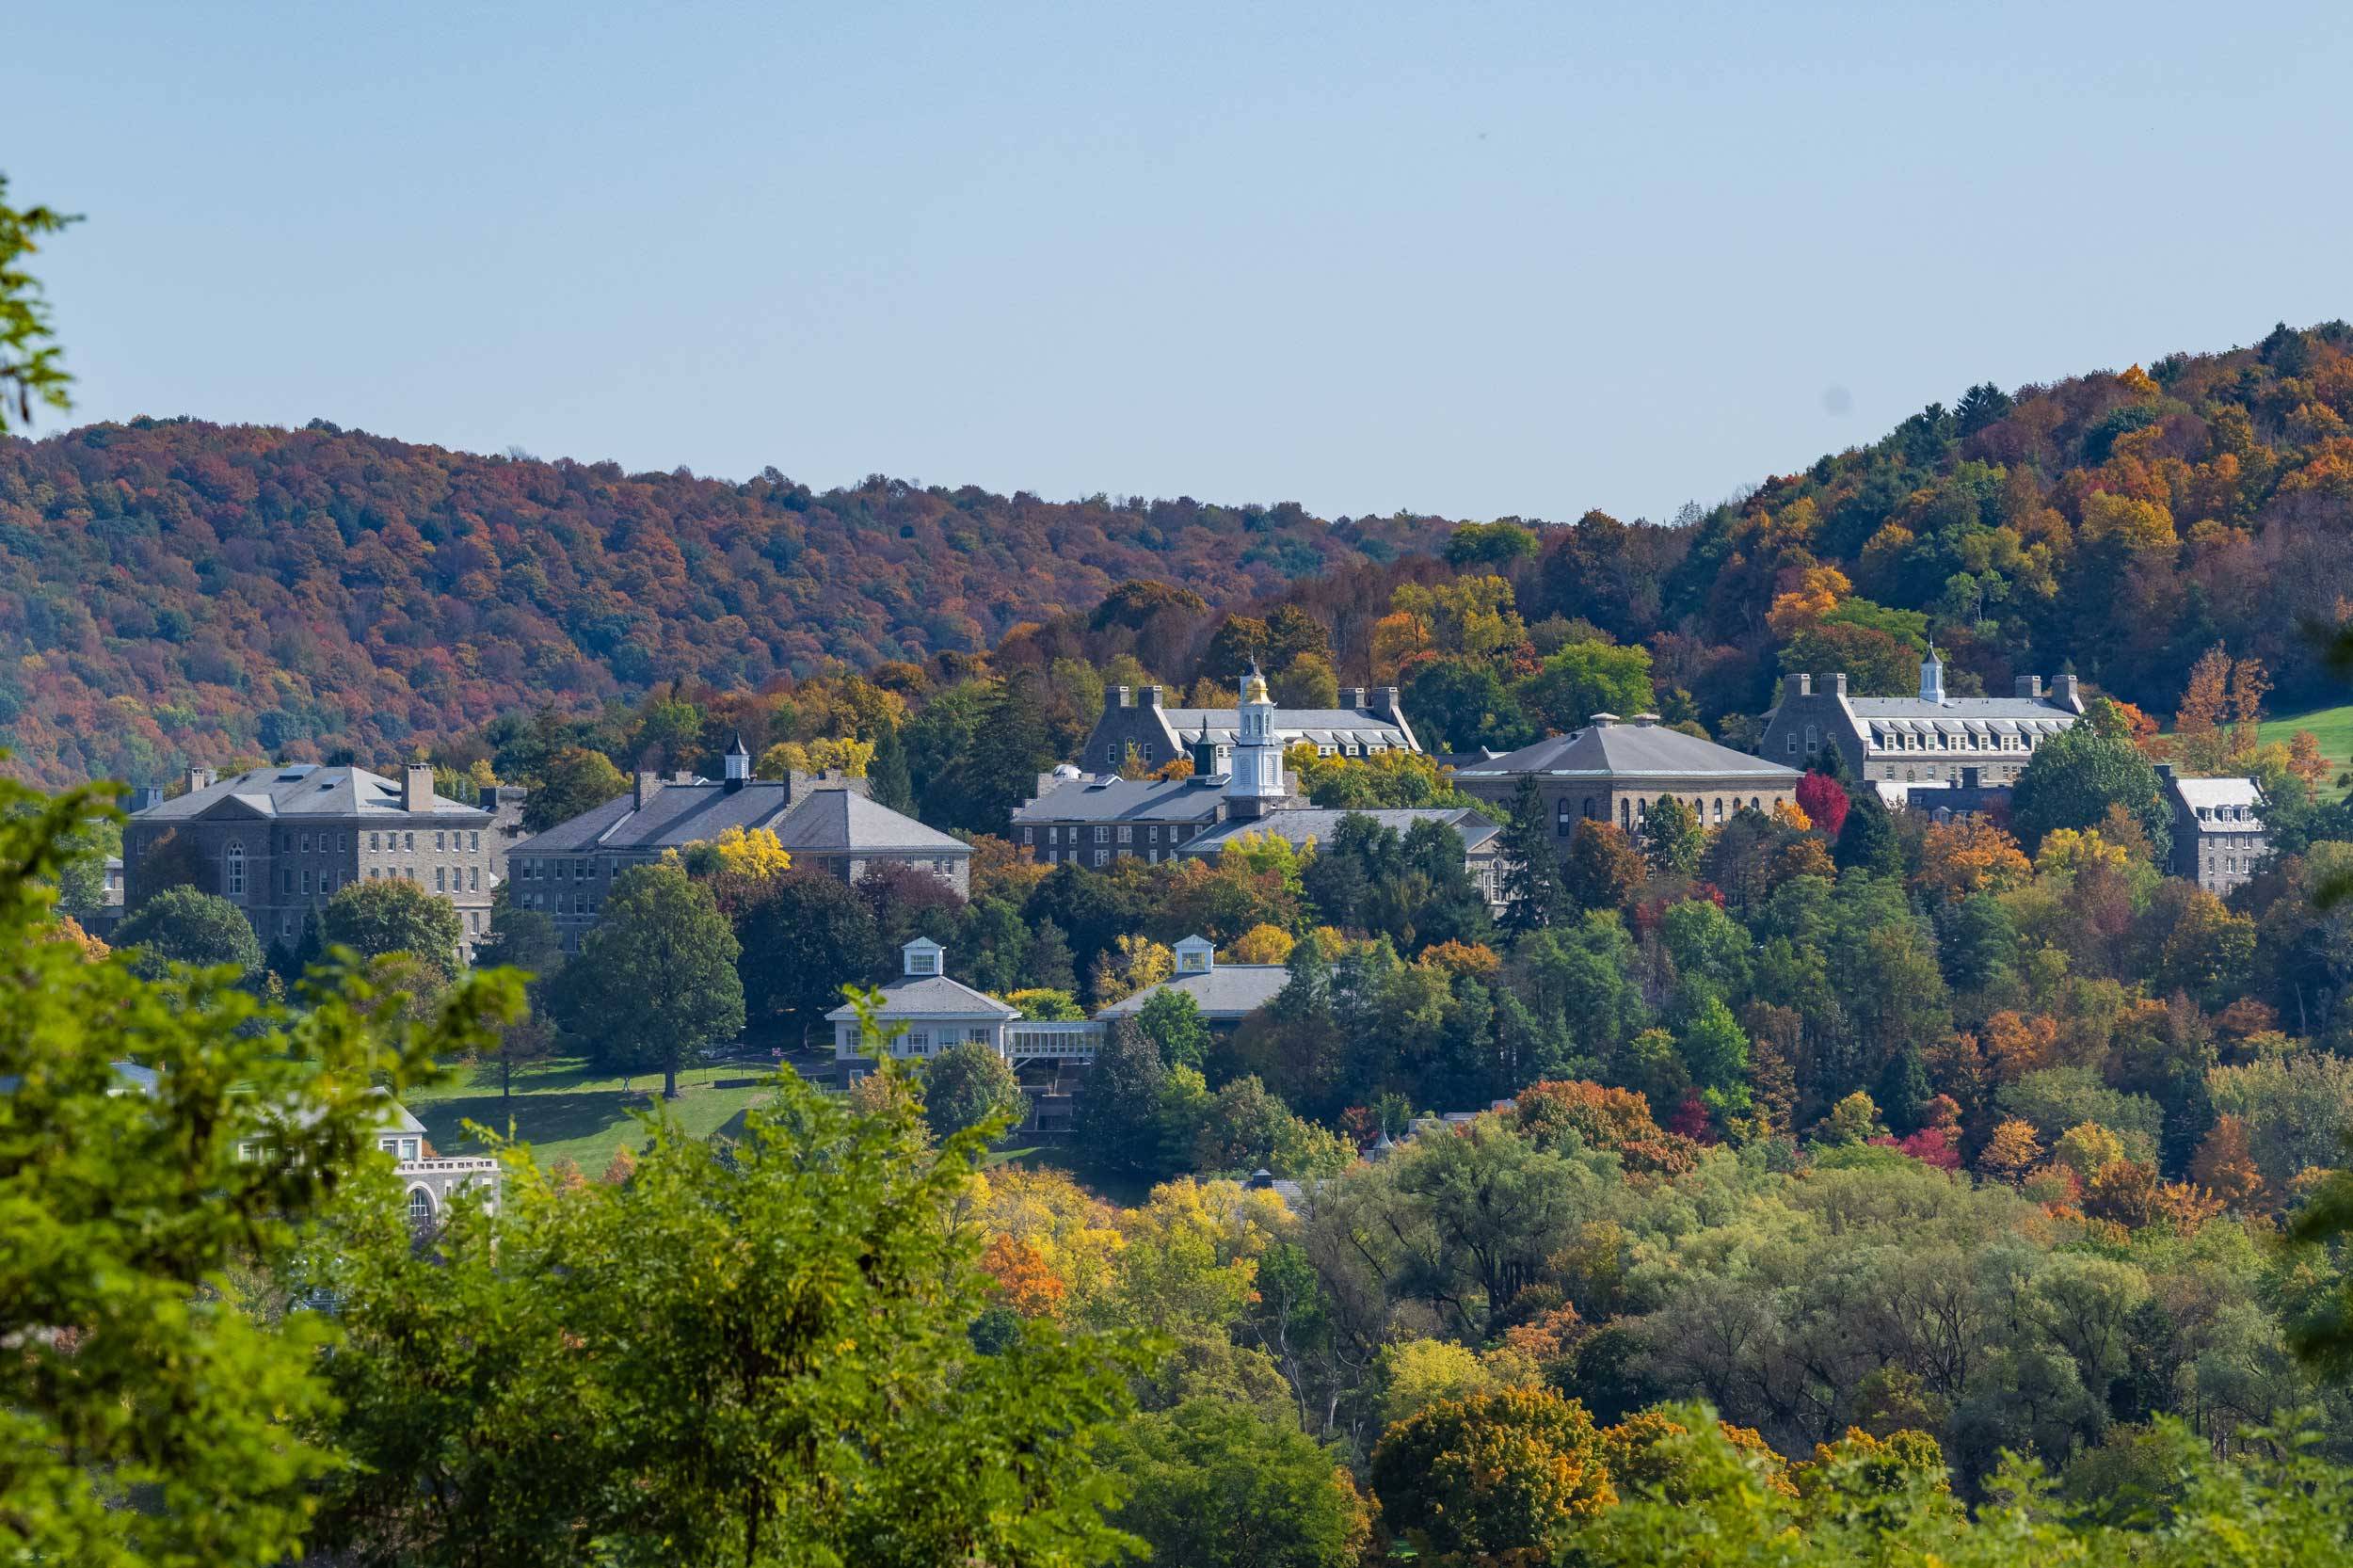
(1615, 772)
(2218, 829)
(279, 843)
(1926, 739)
(825, 821)
(924, 1013)
(1368, 720)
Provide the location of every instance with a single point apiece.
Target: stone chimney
(149, 798)
(416, 787)
(1838, 685)
(1353, 696)
(1151, 696)
(648, 785)
(1116, 697)
(1386, 705)
(1969, 778)
(2064, 690)
(201, 778)
(1801, 685)
(2030, 685)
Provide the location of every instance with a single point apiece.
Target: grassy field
(2332, 726)
(568, 1110)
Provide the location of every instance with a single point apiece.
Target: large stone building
(1615, 772)
(2217, 829)
(826, 823)
(1368, 720)
(1925, 739)
(279, 843)
(1237, 787)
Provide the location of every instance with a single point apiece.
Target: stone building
(2217, 829)
(826, 823)
(279, 841)
(1236, 788)
(1930, 738)
(1615, 772)
(1368, 720)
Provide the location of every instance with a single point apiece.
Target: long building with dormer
(1928, 739)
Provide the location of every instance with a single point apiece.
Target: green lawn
(2332, 726)
(568, 1110)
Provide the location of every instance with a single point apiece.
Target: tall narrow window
(234, 875)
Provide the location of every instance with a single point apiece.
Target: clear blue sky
(1471, 259)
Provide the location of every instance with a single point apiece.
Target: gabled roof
(1628, 751)
(1225, 994)
(932, 996)
(1324, 726)
(1979, 708)
(300, 789)
(821, 821)
(2211, 792)
(1093, 799)
(1296, 828)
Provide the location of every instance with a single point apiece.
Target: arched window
(1719, 810)
(1625, 813)
(233, 872)
(420, 1207)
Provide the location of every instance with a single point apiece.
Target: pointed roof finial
(738, 748)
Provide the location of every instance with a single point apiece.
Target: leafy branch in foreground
(144, 1417)
(29, 370)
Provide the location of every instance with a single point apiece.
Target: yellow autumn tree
(2066, 850)
(846, 756)
(1130, 965)
(1817, 593)
(2141, 530)
(2011, 1152)
(1260, 944)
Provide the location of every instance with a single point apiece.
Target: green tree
(1673, 838)
(180, 925)
(1585, 679)
(2074, 779)
(1456, 704)
(1171, 1021)
(146, 1418)
(381, 914)
(750, 1353)
(1496, 543)
(656, 978)
(1533, 894)
(30, 371)
(523, 940)
(1507, 1475)
(1868, 841)
(808, 937)
(888, 781)
(1117, 1117)
(1214, 1484)
(968, 1084)
(576, 780)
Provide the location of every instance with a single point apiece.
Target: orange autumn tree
(2225, 1164)
(1020, 1276)
(2011, 1152)
(1970, 855)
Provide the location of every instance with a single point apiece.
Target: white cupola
(1932, 678)
(922, 958)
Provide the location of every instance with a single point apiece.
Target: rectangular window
(473, 840)
(1101, 855)
(1029, 835)
(305, 843)
(1126, 834)
(440, 879)
(411, 840)
(437, 842)
(1102, 836)
(474, 879)
(306, 882)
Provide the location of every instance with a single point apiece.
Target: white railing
(1068, 1042)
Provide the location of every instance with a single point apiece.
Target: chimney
(1968, 778)
(2063, 689)
(648, 786)
(1353, 697)
(201, 778)
(1838, 685)
(1386, 707)
(1116, 697)
(2165, 770)
(1151, 696)
(149, 798)
(1802, 685)
(416, 787)
(2030, 685)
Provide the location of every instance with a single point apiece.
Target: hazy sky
(1470, 259)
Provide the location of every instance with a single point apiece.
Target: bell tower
(1255, 786)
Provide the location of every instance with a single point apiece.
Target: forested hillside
(240, 591)
(175, 591)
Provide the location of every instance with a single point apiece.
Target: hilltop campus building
(1929, 739)
(826, 822)
(1615, 772)
(279, 843)
(1238, 786)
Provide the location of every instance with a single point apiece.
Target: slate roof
(2212, 792)
(303, 789)
(1320, 823)
(933, 996)
(821, 819)
(1225, 993)
(1628, 751)
(1958, 715)
(1116, 799)
(1332, 726)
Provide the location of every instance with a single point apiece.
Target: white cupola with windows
(1195, 956)
(921, 958)
(1256, 785)
(1932, 678)
(739, 765)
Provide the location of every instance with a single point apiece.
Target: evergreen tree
(1904, 1091)
(809, 937)
(1117, 1117)
(1868, 841)
(1050, 964)
(1533, 895)
(888, 780)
